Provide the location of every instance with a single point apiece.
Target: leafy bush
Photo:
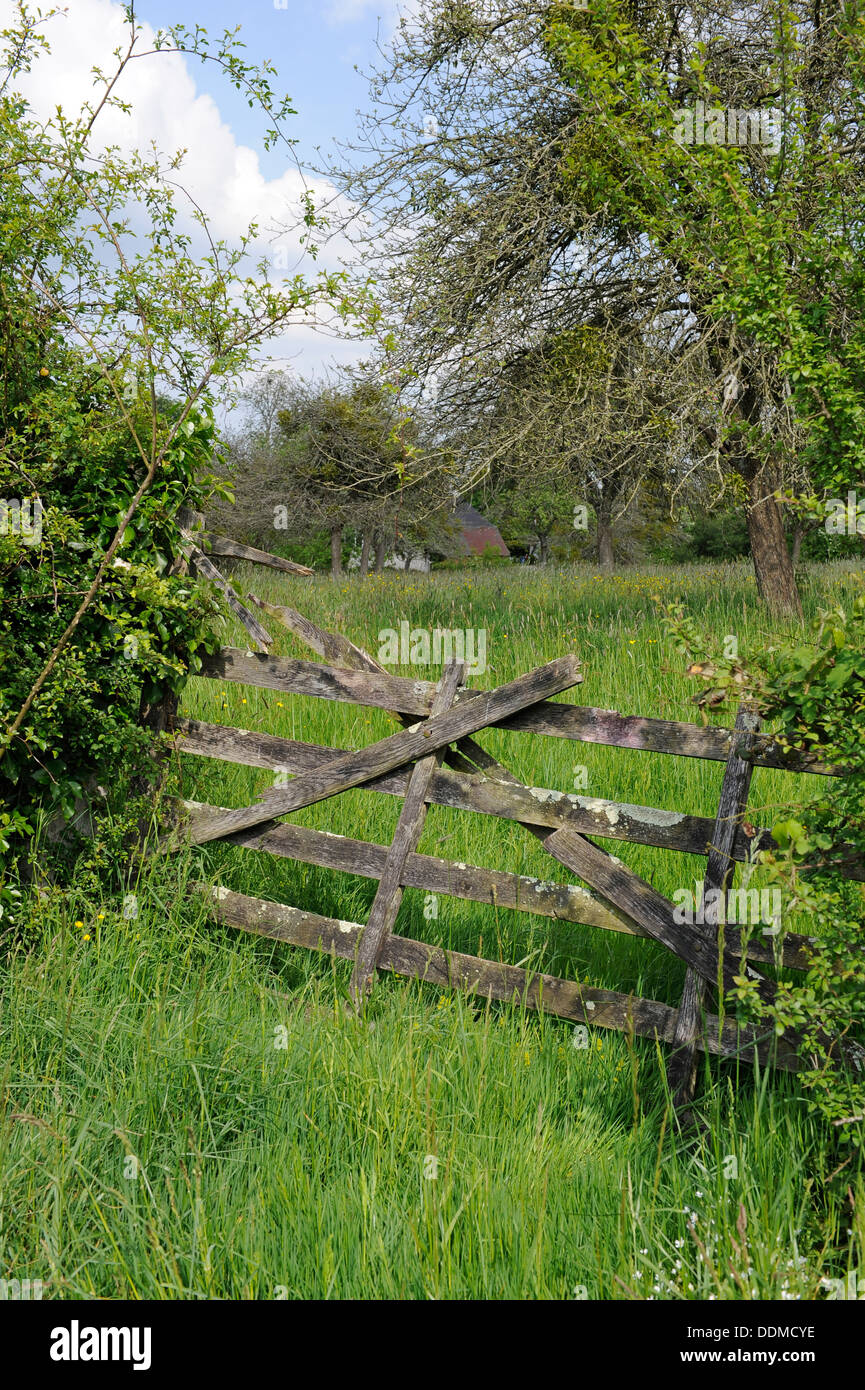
(712, 536)
(113, 347)
(814, 692)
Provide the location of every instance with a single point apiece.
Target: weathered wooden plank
(381, 691)
(383, 912)
(589, 725)
(206, 567)
(630, 894)
(611, 820)
(540, 806)
(732, 804)
(582, 723)
(563, 902)
(236, 550)
(337, 649)
(352, 769)
(485, 979)
(332, 646)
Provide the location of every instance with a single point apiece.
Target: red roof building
(476, 533)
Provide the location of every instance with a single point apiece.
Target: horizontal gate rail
(541, 806)
(485, 979)
(498, 888)
(581, 723)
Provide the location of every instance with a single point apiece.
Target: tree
(353, 453)
(582, 424)
(263, 505)
(557, 191)
(114, 346)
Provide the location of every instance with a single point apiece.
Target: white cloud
(224, 177)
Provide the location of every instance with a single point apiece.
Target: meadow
(191, 1113)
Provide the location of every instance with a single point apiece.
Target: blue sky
(321, 49)
(314, 44)
(180, 104)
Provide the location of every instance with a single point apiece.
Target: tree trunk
(335, 552)
(773, 565)
(365, 548)
(605, 543)
(776, 581)
(379, 552)
(544, 544)
(797, 546)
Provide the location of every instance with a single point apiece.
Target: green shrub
(813, 690)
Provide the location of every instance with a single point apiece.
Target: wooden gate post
(682, 1065)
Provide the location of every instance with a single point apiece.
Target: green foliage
(111, 347)
(133, 643)
(769, 243)
(531, 509)
(813, 690)
(713, 536)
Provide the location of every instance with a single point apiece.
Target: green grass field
(190, 1113)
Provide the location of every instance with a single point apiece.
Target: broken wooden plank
(563, 902)
(206, 567)
(483, 979)
(630, 894)
(383, 912)
(732, 804)
(236, 550)
(381, 691)
(352, 769)
(582, 723)
(332, 646)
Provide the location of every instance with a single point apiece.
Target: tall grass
(190, 1113)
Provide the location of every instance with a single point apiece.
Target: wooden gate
(435, 759)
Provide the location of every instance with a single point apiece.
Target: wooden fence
(435, 759)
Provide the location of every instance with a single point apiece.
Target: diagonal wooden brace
(638, 900)
(354, 768)
(406, 836)
(196, 557)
